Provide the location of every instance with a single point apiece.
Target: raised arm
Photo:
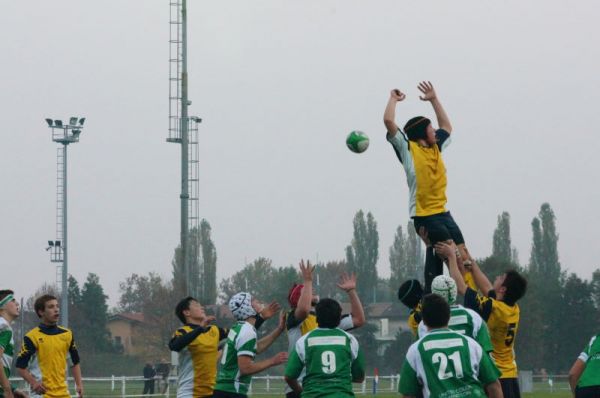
(449, 252)
(305, 300)
(430, 95)
(348, 284)
(389, 116)
(481, 280)
(266, 341)
(247, 365)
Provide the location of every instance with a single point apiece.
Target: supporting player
(301, 319)
(584, 376)
(330, 357)
(52, 347)
(419, 149)
(242, 346)
(410, 294)
(444, 363)
(499, 309)
(197, 343)
(462, 320)
(9, 311)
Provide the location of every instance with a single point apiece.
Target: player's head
(9, 308)
(47, 309)
(510, 286)
(410, 293)
(329, 313)
(436, 311)
(189, 310)
(445, 286)
(243, 306)
(420, 128)
(294, 296)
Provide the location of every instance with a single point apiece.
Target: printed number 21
(443, 360)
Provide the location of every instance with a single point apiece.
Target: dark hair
(4, 293)
(516, 286)
(40, 303)
(436, 311)
(183, 305)
(329, 313)
(410, 293)
(416, 128)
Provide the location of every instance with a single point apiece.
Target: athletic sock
(434, 266)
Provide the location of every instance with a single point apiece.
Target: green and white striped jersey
(468, 322)
(446, 364)
(591, 357)
(241, 340)
(332, 359)
(7, 343)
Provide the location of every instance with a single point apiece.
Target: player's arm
(389, 116)
(430, 95)
(409, 383)
(449, 252)
(268, 312)
(182, 338)
(481, 280)
(27, 351)
(575, 373)
(358, 368)
(494, 390)
(247, 365)
(348, 284)
(4, 382)
(292, 371)
(76, 368)
(266, 341)
(304, 302)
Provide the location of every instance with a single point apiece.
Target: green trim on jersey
(445, 363)
(241, 341)
(7, 344)
(332, 359)
(591, 357)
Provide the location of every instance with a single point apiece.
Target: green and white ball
(357, 141)
(445, 287)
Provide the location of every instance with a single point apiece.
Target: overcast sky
(279, 84)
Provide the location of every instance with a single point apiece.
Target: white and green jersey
(241, 340)
(446, 364)
(7, 343)
(468, 322)
(332, 359)
(591, 356)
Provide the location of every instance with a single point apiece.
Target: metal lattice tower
(184, 130)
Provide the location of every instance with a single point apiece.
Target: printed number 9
(328, 361)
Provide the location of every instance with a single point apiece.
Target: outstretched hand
(397, 95)
(306, 271)
(207, 320)
(347, 282)
(270, 310)
(428, 91)
(445, 250)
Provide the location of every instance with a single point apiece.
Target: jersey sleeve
(409, 383)
(443, 139)
(469, 281)
(294, 365)
(488, 371)
(73, 353)
(479, 303)
(585, 354)
(400, 144)
(223, 332)
(483, 338)
(246, 343)
(182, 338)
(358, 361)
(291, 321)
(27, 351)
(346, 323)
(5, 337)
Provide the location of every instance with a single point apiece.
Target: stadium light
(50, 243)
(58, 123)
(81, 121)
(50, 122)
(57, 243)
(73, 121)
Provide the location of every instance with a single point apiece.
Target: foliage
(362, 254)
(406, 257)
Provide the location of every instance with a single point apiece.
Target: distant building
(124, 331)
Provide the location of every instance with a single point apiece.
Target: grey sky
(279, 84)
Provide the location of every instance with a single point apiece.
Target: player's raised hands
(270, 310)
(306, 271)
(445, 250)
(428, 91)
(397, 95)
(279, 358)
(347, 282)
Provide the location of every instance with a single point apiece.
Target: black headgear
(416, 128)
(410, 293)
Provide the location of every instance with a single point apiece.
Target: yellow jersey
(503, 322)
(414, 318)
(46, 350)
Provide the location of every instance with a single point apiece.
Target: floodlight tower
(63, 134)
(183, 130)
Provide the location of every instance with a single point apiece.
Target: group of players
(459, 351)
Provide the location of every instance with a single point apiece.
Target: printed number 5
(510, 334)
(328, 361)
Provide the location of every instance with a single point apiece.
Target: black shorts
(587, 392)
(510, 387)
(225, 394)
(440, 228)
(292, 394)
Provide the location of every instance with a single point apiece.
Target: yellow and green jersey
(46, 351)
(329, 359)
(591, 356)
(503, 322)
(7, 344)
(425, 172)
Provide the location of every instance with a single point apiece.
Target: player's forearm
(255, 367)
(179, 343)
(304, 302)
(27, 376)
(389, 117)
(356, 309)
(5, 383)
(482, 282)
(266, 341)
(494, 390)
(455, 274)
(76, 371)
(294, 385)
(440, 114)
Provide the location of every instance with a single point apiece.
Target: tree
(326, 278)
(137, 290)
(209, 258)
(93, 308)
(362, 254)
(502, 242)
(406, 257)
(259, 279)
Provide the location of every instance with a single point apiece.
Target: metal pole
(185, 195)
(64, 311)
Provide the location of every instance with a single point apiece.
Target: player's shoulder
(246, 331)
(4, 325)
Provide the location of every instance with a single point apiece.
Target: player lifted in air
(419, 148)
(197, 343)
(46, 351)
(301, 319)
(329, 357)
(238, 360)
(498, 307)
(445, 363)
